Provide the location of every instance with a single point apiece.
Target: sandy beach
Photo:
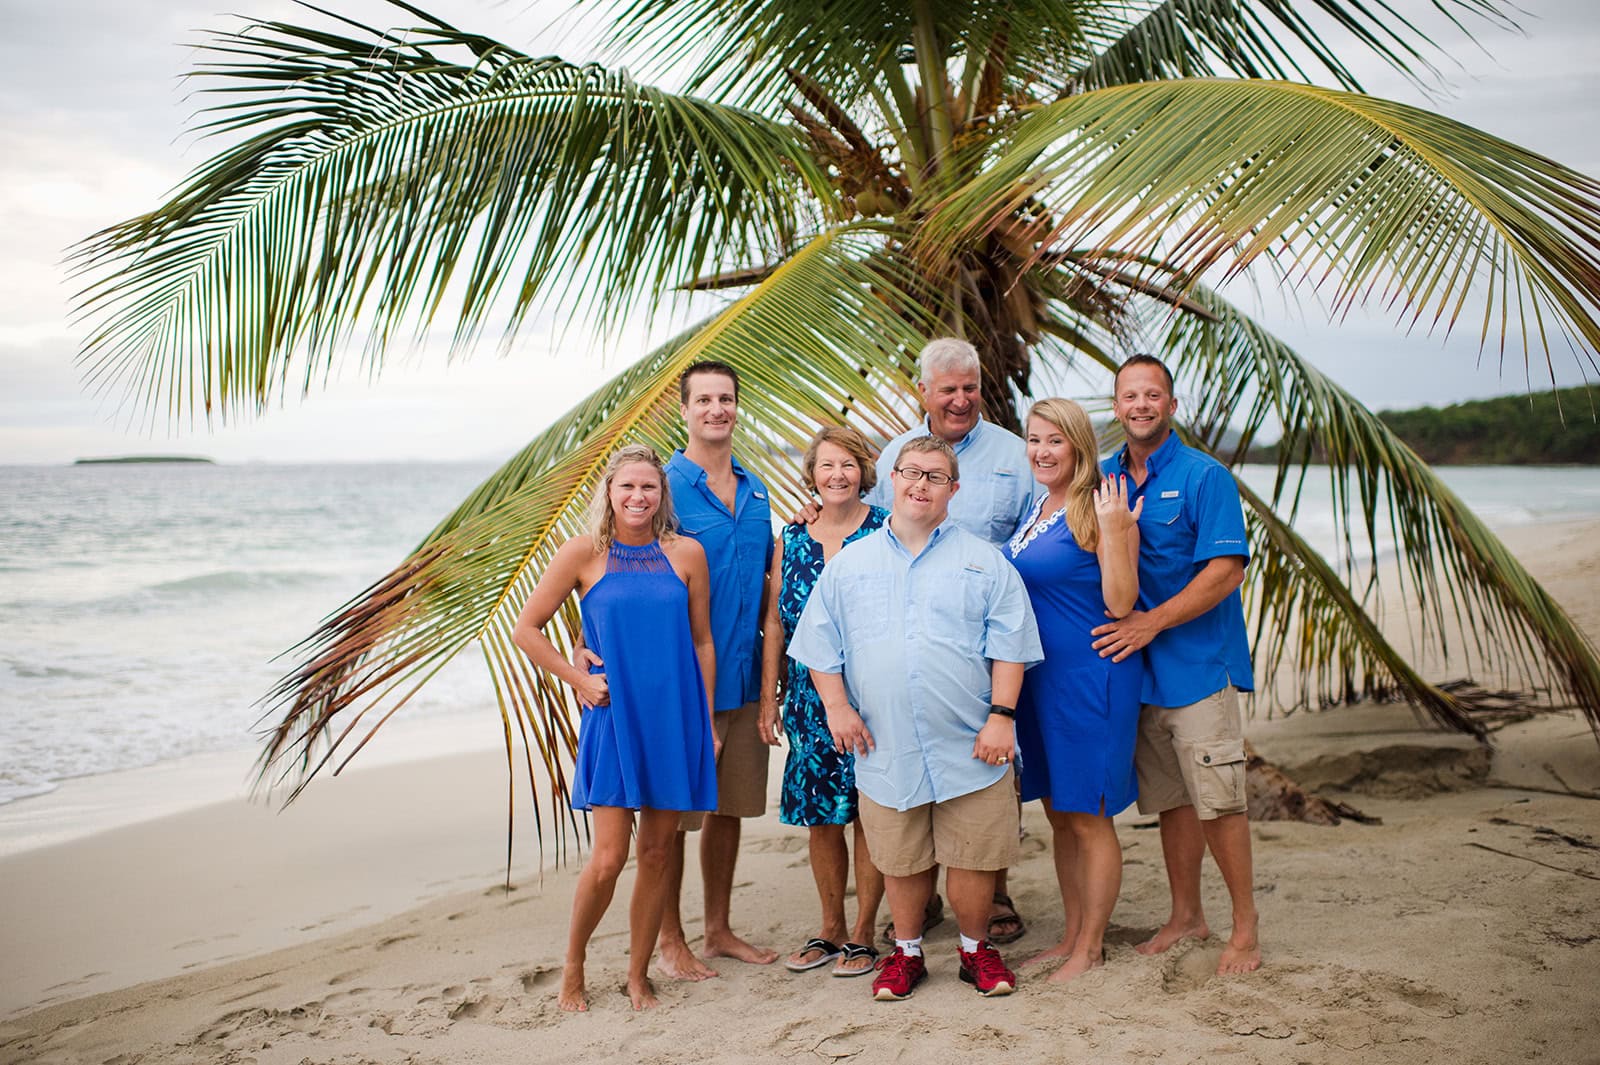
(370, 922)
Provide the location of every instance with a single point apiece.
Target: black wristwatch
(1003, 711)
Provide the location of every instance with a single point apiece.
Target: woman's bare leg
(596, 884)
(869, 897)
(830, 868)
(1099, 874)
(658, 830)
(1064, 851)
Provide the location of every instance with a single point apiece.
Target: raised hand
(1111, 511)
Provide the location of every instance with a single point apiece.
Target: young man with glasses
(917, 637)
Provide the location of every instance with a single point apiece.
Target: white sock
(968, 944)
(912, 947)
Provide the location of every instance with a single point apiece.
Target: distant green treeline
(1516, 430)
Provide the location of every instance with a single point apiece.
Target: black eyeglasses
(911, 473)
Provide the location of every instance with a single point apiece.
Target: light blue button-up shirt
(913, 637)
(996, 485)
(738, 548)
(1191, 515)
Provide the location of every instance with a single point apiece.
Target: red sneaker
(898, 976)
(985, 970)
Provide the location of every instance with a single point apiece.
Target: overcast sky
(92, 117)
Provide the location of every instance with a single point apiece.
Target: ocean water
(142, 606)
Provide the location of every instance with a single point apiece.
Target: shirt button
(1206, 758)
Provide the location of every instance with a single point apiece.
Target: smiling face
(712, 408)
(836, 474)
(953, 400)
(916, 497)
(1144, 404)
(1050, 454)
(635, 496)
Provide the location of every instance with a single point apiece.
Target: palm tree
(1058, 180)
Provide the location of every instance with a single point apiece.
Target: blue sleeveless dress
(1079, 713)
(652, 746)
(819, 784)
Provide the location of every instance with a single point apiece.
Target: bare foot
(1060, 952)
(1242, 953)
(728, 945)
(643, 994)
(1171, 934)
(1080, 963)
(675, 959)
(571, 997)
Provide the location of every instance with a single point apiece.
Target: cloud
(92, 118)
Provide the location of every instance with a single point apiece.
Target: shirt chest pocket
(1158, 511)
(1005, 503)
(867, 609)
(975, 597)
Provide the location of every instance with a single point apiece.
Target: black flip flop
(851, 952)
(829, 952)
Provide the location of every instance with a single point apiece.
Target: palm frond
(1374, 199)
(1308, 619)
(1254, 39)
(383, 180)
(740, 49)
(1451, 569)
(821, 340)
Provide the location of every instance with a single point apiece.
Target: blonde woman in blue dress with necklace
(1078, 554)
(647, 744)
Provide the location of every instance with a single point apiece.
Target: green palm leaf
(834, 321)
(1195, 38)
(1308, 619)
(743, 47)
(1363, 195)
(1451, 567)
(377, 185)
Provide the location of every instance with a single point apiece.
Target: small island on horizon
(122, 460)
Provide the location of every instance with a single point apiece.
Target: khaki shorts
(741, 767)
(1192, 756)
(973, 831)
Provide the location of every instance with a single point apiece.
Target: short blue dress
(1079, 713)
(819, 783)
(652, 747)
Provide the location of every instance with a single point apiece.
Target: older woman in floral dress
(819, 784)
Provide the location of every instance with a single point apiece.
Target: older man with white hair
(996, 494)
(996, 485)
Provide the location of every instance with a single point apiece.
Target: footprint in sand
(1189, 966)
(535, 979)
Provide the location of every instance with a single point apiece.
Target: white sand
(1463, 929)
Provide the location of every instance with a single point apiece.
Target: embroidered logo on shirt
(973, 567)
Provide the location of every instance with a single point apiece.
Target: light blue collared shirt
(997, 487)
(1191, 515)
(913, 637)
(738, 548)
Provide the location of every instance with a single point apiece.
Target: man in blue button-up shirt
(725, 508)
(1189, 754)
(917, 637)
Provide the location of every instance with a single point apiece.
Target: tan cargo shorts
(741, 767)
(1192, 755)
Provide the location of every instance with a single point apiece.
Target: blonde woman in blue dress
(647, 743)
(1077, 718)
